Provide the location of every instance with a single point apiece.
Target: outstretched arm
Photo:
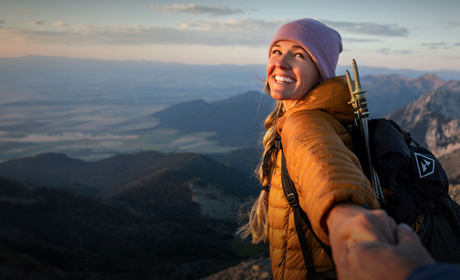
(324, 171)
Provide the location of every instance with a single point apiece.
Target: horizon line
(220, 64)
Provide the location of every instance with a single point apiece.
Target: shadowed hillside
(235, 122)
(84, 237)
(58, 170)
(173, 215)
(243, 160)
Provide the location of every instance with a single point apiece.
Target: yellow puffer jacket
(324, 169)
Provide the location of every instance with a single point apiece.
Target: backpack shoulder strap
(299, 214)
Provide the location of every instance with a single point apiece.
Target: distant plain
(92, 109)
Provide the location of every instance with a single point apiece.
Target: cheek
(270, 68)
(310, 77)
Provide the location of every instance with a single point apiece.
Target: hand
(349, 223)
(380, 260)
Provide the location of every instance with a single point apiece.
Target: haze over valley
(92, 109)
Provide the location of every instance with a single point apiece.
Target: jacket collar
(331, 96)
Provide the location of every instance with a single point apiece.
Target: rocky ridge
(254, 269)
(433, 120)
(387, 93)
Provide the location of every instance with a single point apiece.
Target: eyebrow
(299, 47)
(295, 47)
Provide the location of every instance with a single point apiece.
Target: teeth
(283, 79)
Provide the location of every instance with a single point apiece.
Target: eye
(301, 55)
(276, 52)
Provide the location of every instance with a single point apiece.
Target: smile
(283, 79)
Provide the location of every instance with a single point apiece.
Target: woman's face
(291, 73)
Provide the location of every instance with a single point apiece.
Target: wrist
(339, 213)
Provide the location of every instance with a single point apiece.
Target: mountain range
(167, 180)
(389, 93)
(136, 213)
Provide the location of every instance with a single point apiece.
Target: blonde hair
(258, 224)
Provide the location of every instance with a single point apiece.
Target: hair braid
(258, 224)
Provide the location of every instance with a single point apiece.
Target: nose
(283, 62)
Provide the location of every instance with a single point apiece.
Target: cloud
(451, 57)
(229, 32)
(433, 46)
(68, 136)
(368, 28)
(60, 23)
(389, 50)
(403, 51)
(384, 51)
(38, 22)
(440, 45)
(246, 32)
(214, 10)
(354, 40)
(453, 24)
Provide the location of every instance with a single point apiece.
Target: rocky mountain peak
(430, 82)
(445, 103)
(452, 85)
(387, 93)
(433, 120)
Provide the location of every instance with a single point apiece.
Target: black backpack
(415, 188)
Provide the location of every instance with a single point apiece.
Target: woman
(311, 110)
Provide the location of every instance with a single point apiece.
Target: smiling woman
(316, 152)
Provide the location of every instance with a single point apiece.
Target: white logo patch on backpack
(425, 165)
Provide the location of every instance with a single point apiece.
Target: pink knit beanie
(321, 42)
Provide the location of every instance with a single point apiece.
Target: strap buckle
(292, 200)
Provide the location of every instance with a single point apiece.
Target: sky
(397, 34)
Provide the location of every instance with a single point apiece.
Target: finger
(387, 229)
(408, 240)
(405, 234)
(374, 226)
(410, 247)
(391, 232)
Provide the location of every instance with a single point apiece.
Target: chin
(277, 97)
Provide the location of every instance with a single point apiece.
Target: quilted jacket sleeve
(322, 168)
